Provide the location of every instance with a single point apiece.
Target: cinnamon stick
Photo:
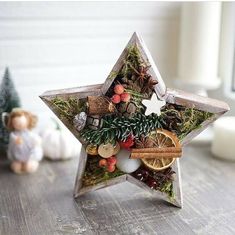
(169, 152)
(155, 155)
(157, 150)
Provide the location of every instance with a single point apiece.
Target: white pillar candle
(199, 44)
(223, 145)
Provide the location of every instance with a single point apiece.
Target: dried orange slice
(161, 138)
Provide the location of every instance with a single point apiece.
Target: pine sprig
(119, 128)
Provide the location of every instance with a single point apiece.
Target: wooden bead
(116, 148)
(106, 150)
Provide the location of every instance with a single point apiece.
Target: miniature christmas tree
(9, 99)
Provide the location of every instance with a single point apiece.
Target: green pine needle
(119, 128)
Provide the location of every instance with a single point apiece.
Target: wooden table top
(42, 203)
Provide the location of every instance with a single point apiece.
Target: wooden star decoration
(120, 142)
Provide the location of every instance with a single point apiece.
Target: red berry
(112, 160)
(125, 97)
(103, 163)
(128, 143)
(119, 89)
(111, 168)
(116, 99)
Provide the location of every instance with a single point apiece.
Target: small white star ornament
(124, 137)
(154, 105)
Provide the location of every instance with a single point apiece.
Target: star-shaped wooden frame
(171, 96)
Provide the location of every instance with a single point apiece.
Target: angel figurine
(24, 149)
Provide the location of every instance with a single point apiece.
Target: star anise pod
(149, 86)
(164, 176)
(141, 73)
(144, 142)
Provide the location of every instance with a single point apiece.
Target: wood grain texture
(42, 204)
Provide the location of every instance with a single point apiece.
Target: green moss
(182, 120)
(94, 174)
(192, 120)
(113, 75)
(69, 107)
(133, 61)
(167, 188)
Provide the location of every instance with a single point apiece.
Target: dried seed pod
(79, 121)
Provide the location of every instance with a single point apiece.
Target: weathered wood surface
(81, 92)
(43, 204)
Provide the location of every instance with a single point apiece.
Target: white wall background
(51, 45)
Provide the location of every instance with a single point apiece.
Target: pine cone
(171, 118)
